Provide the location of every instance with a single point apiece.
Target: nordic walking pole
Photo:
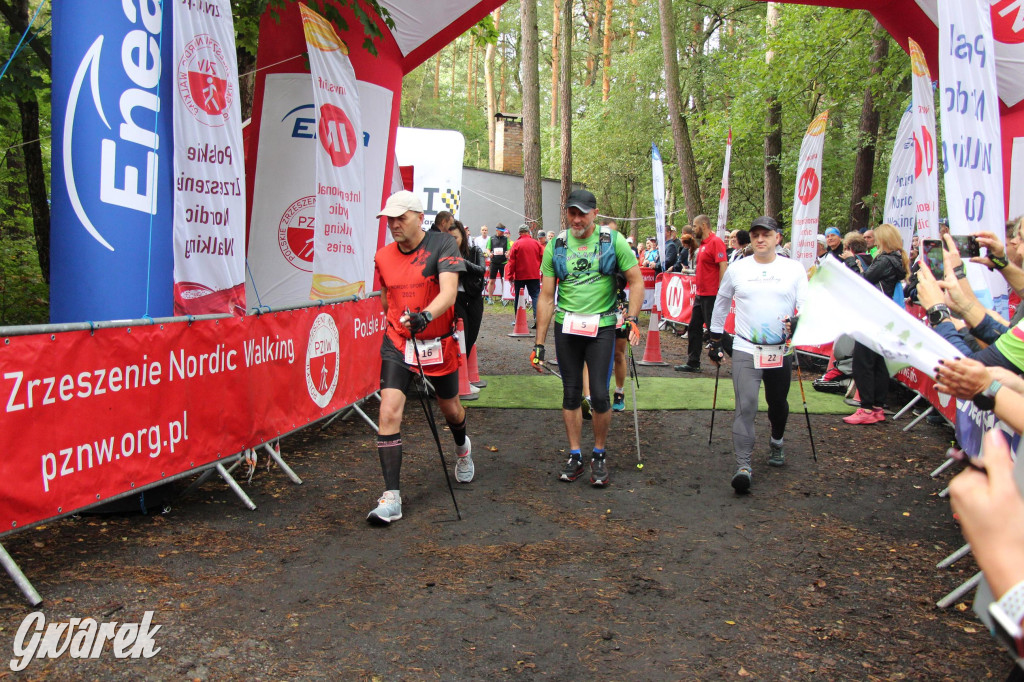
(714, 401)
(636, 420)
(807, 415)
(430, 421)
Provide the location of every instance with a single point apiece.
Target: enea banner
(900, 204)
(926, 177)
(723, 199)
(658, 182)
(807, 195)
(90, 415)
(281, 229)
(111, 182)
(971, 144)
(209, 171)
(338, 264)
(436, 157)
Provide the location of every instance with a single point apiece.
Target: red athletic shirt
(411, 281)
(709, 255)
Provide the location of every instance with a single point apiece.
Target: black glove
(537, 357)
(419, 321)
(792, 324)
(716, 353)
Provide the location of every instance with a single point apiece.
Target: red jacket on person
(524, 259)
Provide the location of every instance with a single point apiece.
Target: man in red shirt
(524, 267)
(419, 278)
(711, 264)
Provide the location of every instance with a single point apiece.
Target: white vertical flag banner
(209, 175)
(971, 143)
(339, 268)
(900, 204)
(436, 157)
(658, 182)
(723, 199)
(807, 195)
(926, 176)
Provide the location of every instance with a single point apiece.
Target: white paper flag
(338, 266)
(807, 195)
(723, 199)
(839, 301)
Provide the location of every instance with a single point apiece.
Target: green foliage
(24, 297)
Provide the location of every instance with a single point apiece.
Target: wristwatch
(1007, 614)
(986, 400)
(938, 313)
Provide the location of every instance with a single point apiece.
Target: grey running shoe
(573, 469)
(776, 455)
(598, 472)
(585, 408)
(389, 508)
(741, 480)
(464, 468)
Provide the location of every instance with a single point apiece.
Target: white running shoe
(389, 508)
(464, 468)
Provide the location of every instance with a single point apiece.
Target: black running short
(394, 373)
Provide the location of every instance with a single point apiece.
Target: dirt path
(826, 571)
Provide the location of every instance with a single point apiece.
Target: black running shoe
(598, 472)
(688, 368)
(573, 469)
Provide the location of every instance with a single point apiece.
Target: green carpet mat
(544, 392)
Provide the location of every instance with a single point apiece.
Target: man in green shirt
(584, 261)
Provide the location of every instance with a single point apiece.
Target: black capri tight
(597, 351)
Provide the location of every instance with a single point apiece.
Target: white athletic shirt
(766, 294)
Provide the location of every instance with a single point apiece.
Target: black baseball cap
(765, 222)
(581, 199)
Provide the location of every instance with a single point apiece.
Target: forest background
(676, 73)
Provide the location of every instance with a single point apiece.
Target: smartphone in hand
(933, 257)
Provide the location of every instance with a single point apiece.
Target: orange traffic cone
(465, 389)
(474, 370)
(522, 327)
(652, 351)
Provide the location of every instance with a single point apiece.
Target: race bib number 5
(581, 325)
(429, 351)
(769, 357)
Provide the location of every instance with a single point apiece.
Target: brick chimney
(508, 143)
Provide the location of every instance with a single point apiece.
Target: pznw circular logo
(807, 187)
(204, 81)
(295, 233)
(1008, 21)
(323, 359)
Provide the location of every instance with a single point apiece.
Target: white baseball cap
(400, 202)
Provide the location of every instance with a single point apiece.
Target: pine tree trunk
(565, 97)
(680, 131)
(594, 21)
(556, 39)
(773, 135)
(864, 166)
(437, 76)
(606, 83)
(489, 89)
(531, 115)
(35, 178)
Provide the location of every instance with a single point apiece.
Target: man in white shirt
(481, 241)
(768, 289)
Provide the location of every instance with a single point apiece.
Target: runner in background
(419, 278)
(497, 247)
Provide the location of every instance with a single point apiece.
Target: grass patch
(544, 392)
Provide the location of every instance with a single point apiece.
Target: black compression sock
(389, 449)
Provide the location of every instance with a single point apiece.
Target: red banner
(678, 292)
(925, 385)
(90, 415)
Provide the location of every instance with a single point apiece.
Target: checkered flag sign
(450, 199)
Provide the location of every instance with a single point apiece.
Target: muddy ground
(826, 571)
